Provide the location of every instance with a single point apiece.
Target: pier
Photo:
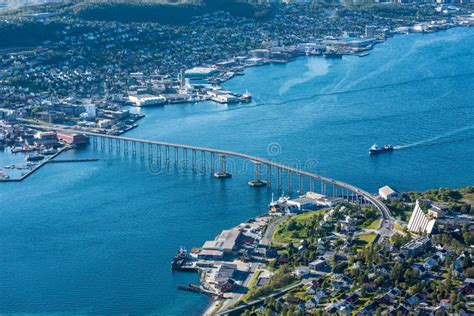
(156, 150)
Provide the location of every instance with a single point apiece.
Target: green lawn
(365, 240)
(283, 235)
(397, 226)
(374, 225)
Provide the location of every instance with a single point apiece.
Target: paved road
(237, 296)
(267, 236)
(274, 294)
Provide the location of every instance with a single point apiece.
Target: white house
(301, 271)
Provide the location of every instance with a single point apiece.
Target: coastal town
(317, 254)
(60, 83)
(82, 80)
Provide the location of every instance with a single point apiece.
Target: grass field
(365, 240)
(283, 235)
(374, 225)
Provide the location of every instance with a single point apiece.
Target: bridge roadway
(386, 225)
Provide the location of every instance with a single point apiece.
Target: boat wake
(433, 139)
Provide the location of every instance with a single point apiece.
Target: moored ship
(246, 97)
(179, 259)
(34, 157)
(376, 149)
(332, 55)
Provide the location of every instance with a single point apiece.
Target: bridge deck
(369, 197)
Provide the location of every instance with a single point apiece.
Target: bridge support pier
(176, 155)
(185, 158)
(257, 182)
(290, 186)
(222, 174)
(311, 185)
(193, 159)
(301, 186)
(279, 179)
(134, 149)
(269, 175)
(213, 162)
(167, 155)
(125, 147)
(203, 162)
(142, 150)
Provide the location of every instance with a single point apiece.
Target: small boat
(376, 149)
(34, 157)
(246, 97)
(49, 151)
(332, 55)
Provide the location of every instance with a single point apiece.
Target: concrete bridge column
(94, 141)
(167, 154)
(203, 161)
(134, 148)
(193, 159)
(222, 174)
(185, 157)
(176, 155)
(125, 146)
(289, 182)
(150, 151)
(269, 174)
(142, 149)
(311, 184)
(117, 143)
(279, 179)
(301, 186)
(213, 161)
(158, 153)
(257, 182)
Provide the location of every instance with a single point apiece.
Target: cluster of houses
(98, 59)
(335, 293)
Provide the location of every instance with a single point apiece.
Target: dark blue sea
(97, 237)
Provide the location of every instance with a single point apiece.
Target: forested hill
(21, 27)
(157, 11)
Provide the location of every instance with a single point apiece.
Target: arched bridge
(163, 151)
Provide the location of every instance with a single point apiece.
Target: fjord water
(97, 238)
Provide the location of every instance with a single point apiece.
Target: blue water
(96, 238)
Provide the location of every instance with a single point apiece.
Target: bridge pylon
(222, 173)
